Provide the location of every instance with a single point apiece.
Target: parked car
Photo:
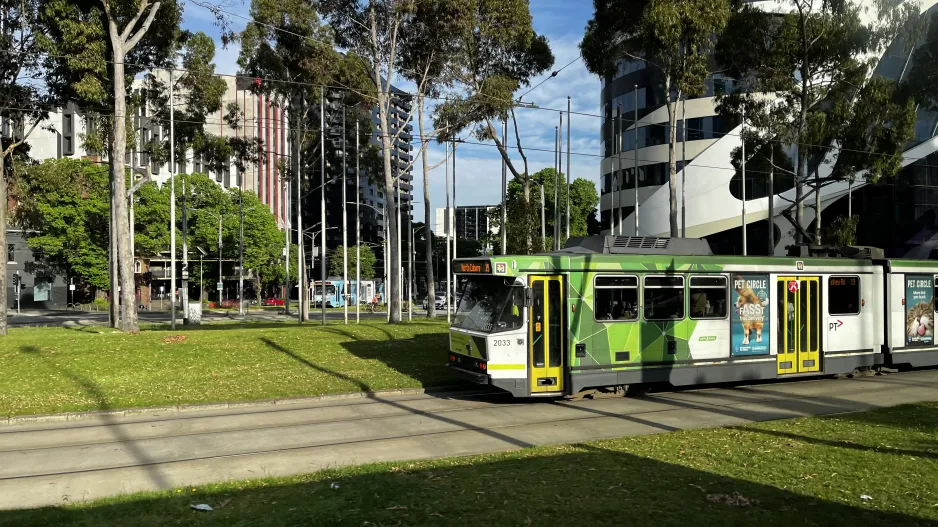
(273, 302)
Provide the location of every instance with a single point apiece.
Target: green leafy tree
(674, 37)
(368, 262)
(96, 49)
(23, 104)
(64, 205)
(496, 53)
(831, 109)
(583, 203)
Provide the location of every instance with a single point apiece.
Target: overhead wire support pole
(621, 179)
(684, 168)
(742, 137)
(556, 186)
(569, 118)
(446, 226)
(322, 200)
(504, 229)
(345, 284)
(358, 238)
(172, 208)
(559, 181)
(635, 153)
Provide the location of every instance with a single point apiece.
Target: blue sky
(479, 167)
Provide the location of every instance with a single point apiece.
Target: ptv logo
(834, 325)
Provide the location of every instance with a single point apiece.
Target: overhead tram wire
(468, 142)
(582, 154)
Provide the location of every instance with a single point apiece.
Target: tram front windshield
(489, 304)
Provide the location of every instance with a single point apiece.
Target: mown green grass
(48, 370)
(810, 471)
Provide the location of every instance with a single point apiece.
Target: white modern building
(712, 192)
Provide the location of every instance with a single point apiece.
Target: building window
(843, 295)
(42, 290)
(708, 296)
(11, 253)
(615, 298)
(664, 298)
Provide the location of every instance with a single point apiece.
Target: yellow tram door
(799, 335)
(545, 352)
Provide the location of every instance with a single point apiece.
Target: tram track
(381, 427)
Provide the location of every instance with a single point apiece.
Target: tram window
(664, 298)
(708, 296)
(843, 295)
(615, 298)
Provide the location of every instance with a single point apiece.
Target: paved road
(78, 318)
(47, 463)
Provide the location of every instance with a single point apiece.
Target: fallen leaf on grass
(397, 508)
(174, 339)
(223, 504)
(438, 515)
(734, 500)
(866, 497)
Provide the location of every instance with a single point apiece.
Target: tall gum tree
(98, 48)
(497, 52)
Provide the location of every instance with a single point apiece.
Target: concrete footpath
(59, 462)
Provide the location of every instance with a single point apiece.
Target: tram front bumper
(471, 376)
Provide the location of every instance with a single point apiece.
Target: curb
(237, 405)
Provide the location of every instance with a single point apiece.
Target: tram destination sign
(473, 267)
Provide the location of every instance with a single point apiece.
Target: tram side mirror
(528, 297)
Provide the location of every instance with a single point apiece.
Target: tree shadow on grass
(584, 485)
(93, 391)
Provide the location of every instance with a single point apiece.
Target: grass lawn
(811, 471)
(47, 370)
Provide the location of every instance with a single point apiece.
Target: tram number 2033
(503, 342)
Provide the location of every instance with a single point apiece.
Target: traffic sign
(219, 286)
(792, 286)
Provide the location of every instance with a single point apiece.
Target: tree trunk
(431, 287)
(128, 307)
(114, 275)
(390, 217)
(817, 205)
(672, 159)
(4, 301)
(771, 193)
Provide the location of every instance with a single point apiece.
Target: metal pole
(241, 247)
(345, 284)
(219, 260)
(446, 224)
(358, 239)
(172, 207)
(742, 137)
(569, 118)
(559, 180)
(322, 199)
(505, 190)
(635, 153)
(184, 288)
(618, 140)
(683, 168)
(543, 220)
(288, 229)
(556, 229)
(614, 219)
(303, 302)
(455, 207)
(400, 274)
(410, 273)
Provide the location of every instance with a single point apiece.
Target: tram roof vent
(637, 245)
(833, 251)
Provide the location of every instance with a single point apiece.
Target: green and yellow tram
(615, 311)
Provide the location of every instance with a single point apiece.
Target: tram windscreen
(489, 304)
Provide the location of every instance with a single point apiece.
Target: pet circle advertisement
(751, 328)
(919, 310)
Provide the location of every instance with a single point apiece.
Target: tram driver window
(843, 295)
(615, 298)
(664, 298)
(708, 296)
